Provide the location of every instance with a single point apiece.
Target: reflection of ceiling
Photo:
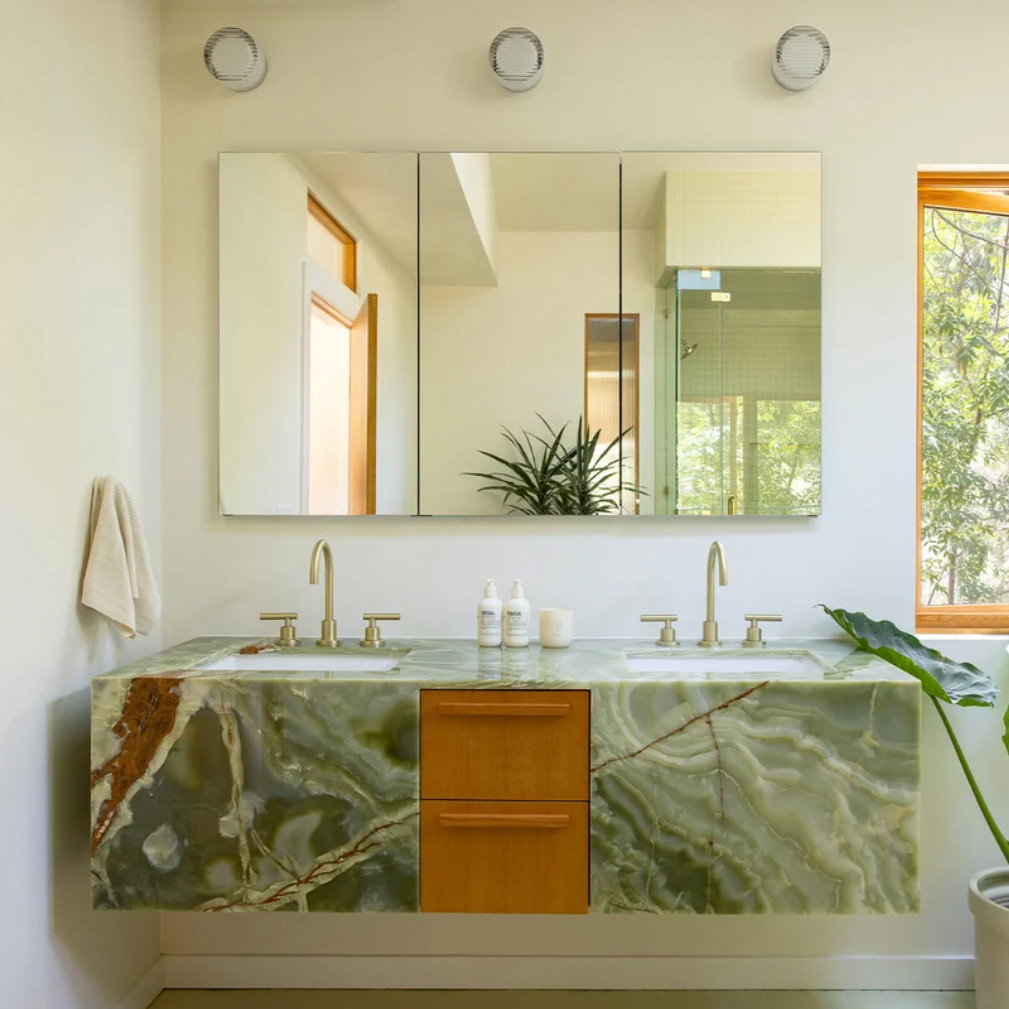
(381, 189)
(537, 191)
(457, 240)
(557, 192)
(578, 191)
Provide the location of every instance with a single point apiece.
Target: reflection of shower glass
(747, 424)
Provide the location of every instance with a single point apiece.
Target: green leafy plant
(551, 477)
(942, 680)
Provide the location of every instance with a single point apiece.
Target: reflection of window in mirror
(331, 245)
(340, 410)
(611, 396)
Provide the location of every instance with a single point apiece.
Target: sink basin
(788, 665)
(306, 662)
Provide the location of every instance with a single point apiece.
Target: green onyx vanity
(778, 780)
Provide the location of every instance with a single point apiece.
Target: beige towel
(118, 580)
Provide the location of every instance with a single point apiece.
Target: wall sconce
(233, 58)
(516, 57)
(800, 57)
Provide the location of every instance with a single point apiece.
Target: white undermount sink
(788, 664)
(305, 662)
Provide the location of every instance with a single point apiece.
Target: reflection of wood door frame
(363, 407)
(318, 301)
(636, 319)
(341, 235)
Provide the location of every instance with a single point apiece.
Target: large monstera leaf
(955, 682)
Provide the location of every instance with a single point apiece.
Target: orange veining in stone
(148, 716)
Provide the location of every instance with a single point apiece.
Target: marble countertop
(454, 661)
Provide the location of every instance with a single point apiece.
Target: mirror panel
(667, 302)
(519, 302)
(730, 243)
(318, 334)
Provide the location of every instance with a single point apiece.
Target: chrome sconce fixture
(233, 58)
(800, 57)
(516, 57)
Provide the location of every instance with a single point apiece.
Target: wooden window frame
(956, 190)
(342, 235)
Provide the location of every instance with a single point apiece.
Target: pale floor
(191, 999)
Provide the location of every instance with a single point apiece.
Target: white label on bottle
(490, 622)
(517, 623)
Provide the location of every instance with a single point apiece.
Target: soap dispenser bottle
(488, 617)
(516, 618)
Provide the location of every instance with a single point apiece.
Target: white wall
(263, 236)
(494, 356)
(263, 233)
(639, 297)
(79, 397)
(883, 108)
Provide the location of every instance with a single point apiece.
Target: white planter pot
(988, 898)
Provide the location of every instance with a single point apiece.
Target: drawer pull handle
(503, 708)
(542, 821)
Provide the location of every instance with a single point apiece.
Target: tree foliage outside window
(965, 408)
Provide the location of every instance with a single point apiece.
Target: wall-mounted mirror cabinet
(520, 333)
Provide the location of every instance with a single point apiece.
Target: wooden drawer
(504, 857)
(504, 744)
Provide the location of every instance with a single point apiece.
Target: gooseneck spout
(716, 555)
(327, 638)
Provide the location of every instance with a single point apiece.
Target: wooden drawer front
(504, 744)
(504, 857)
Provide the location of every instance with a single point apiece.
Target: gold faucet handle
(667, 636)
(754, 635)
(288, 635)
(373, 633)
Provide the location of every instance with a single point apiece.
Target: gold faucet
(709, 638)
(328, 636)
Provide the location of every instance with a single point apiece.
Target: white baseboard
(572, 972)
(147, 989)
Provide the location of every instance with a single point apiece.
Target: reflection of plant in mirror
(550, 477)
